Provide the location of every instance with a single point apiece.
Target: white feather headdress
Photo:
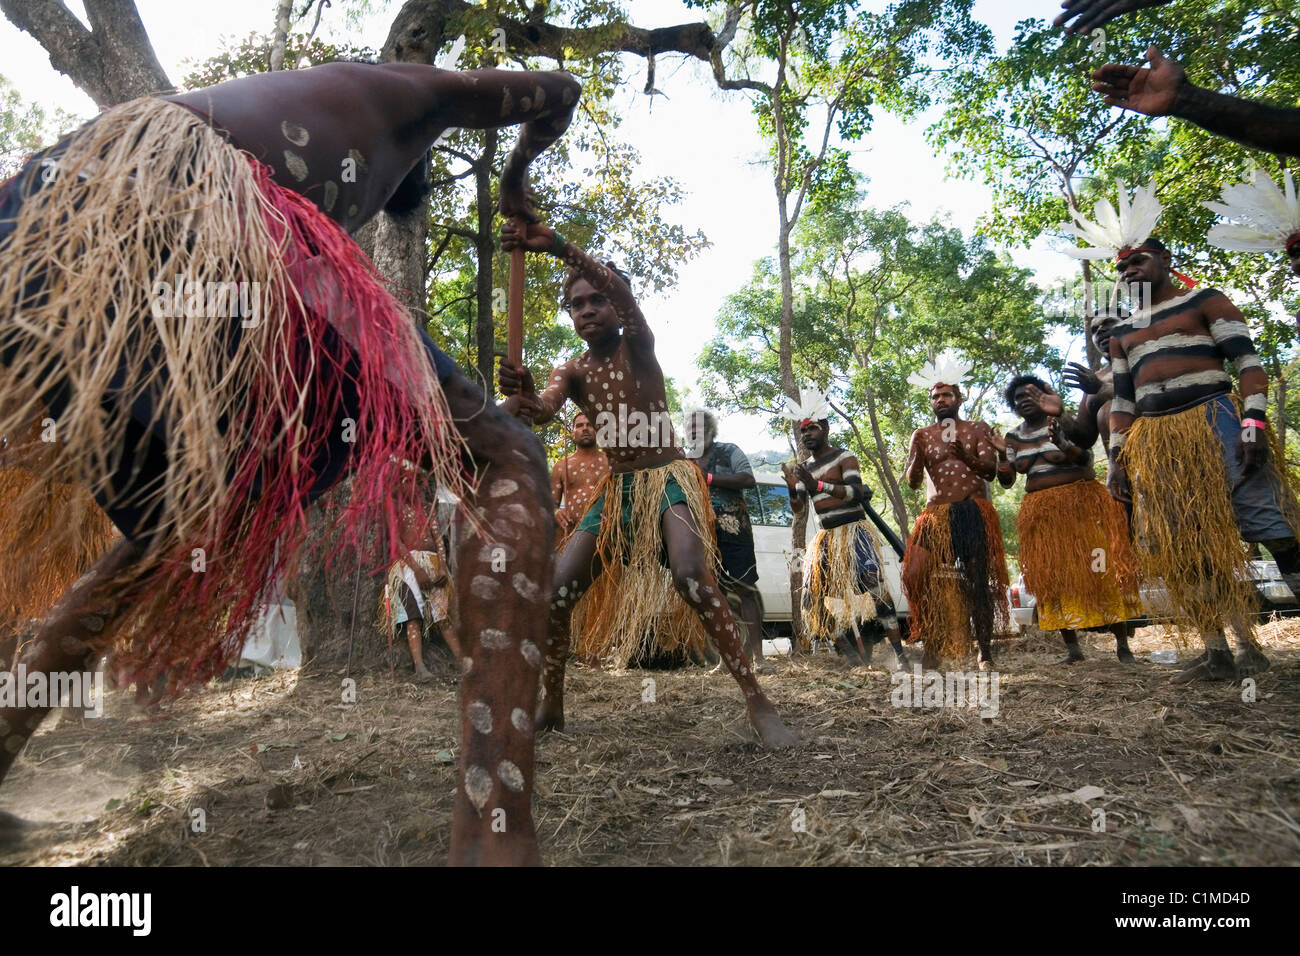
(1115, 229)
(813, 405)
(1261, 216)
(947, 369)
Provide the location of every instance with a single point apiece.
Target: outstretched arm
(487, 99)
(1091, 14)
(604, 280)
(1163, 90)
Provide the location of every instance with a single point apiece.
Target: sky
(703, 138)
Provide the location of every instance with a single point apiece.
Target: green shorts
(673, 495)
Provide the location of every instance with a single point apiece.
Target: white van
(771, 516)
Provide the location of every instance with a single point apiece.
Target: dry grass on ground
(286, 774)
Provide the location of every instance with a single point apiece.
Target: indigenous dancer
(844, 582)
(654, 500)
(217, 352)
(574, 479)
(1098, 387)
(728, 473)
(1074, 541)
(1196, 469)
(954, 569)
(574, 483)
(416, 594)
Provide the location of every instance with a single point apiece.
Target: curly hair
(1009, 394)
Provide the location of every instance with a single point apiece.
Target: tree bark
(112, 62)
(1089, 297)
(893, 491)
(281, 37)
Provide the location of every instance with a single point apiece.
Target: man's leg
(60, 644)
(577, 568)
(503, 580)
(1073, 653)
(752, 619)
(696, 584)
(415, 641)
(1123, 631)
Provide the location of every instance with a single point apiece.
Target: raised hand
(1081, 377)
(1091, 14)
(998, 440)
(534, 237)
(1152, 91)
(803, 474)
(1048, 401)
(515, 379)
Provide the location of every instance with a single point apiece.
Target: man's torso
(948, 478)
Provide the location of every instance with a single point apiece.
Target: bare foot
(1251, 660)
(1073, 654)
(769, 726)
(1124, 654)
(1217, 665)
(549, 718)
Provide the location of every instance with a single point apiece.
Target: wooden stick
(515, 315)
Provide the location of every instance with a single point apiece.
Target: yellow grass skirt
(1184, 530)
(941, 613)
(634, 596)
(1077, 558)
(50, 534)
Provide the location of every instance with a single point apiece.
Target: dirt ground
(284, 773)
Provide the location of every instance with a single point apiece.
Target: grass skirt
(832, 603)
(634, 596)
(944, 597)
(246, 406)
(1184, 530)
(50, 535)
(1077, 558)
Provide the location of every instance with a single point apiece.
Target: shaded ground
(285, 773)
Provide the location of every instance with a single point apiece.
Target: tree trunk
(281, 37)
(112, 62)
(1281, 414)
(1090, 347)
(893, 491)
(399, 250)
